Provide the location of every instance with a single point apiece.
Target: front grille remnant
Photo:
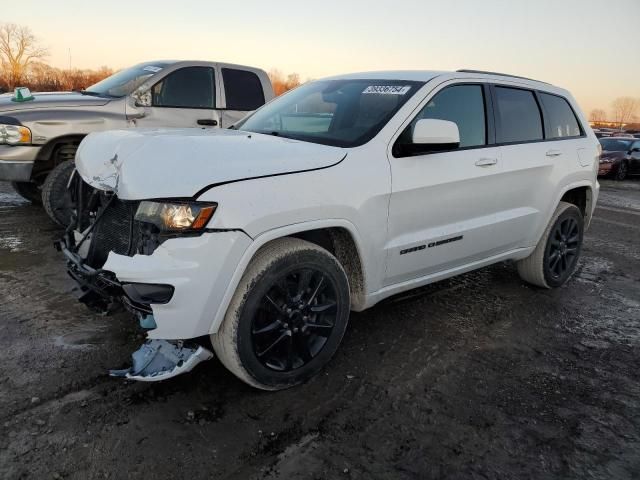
(114, 232)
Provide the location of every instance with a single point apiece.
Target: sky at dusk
(589, 47)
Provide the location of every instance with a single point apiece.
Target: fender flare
(266, 237)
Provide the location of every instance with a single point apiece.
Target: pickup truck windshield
(125, 81)
(342, 113)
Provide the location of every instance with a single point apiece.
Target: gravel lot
(477, 377)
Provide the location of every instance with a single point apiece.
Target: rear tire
(556, 255)
(287, 316)
(621, 173)
(56, 197)
(29, 191)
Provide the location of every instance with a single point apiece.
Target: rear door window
(189, 87)
(243, 89)
(518, 116)
(561, 121)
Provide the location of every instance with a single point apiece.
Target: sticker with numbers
(387, 89)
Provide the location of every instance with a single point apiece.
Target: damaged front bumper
(159, 360)
(174, 292)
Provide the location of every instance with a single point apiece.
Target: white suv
(328, 199)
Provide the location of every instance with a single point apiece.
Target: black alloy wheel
(621, 174)
(294, 319)
(563, 247)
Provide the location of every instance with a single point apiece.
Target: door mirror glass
(142, 97)
(440, 134)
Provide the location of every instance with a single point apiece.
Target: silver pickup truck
(39, 135)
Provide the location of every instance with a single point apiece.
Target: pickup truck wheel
(29, 191)
(287, 316)
(556, 255)
(56, 197)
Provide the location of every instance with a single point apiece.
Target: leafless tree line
(623, 109)
(22, 64)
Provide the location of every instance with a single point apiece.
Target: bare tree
(624, 109)
(18, 49)
(597, 115)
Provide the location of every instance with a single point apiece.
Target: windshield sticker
(153, 69)
(387, 89)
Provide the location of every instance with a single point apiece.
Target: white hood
(169, 163)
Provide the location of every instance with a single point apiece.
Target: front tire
(56, 197)
(29, 191)
(287, 316)
(556, 255)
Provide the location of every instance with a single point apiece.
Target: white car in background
(328, 199)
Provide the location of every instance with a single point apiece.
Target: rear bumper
(16, 162)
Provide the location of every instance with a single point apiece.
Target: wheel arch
(45, 160)
(339, 237)
(580, 195)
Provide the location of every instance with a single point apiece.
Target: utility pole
(69, 58)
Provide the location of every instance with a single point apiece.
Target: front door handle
(208, 122)
(486, 162)
(554, 153)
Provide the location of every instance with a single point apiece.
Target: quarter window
(560, 118)
(190, 87)
(243, 89)
(519, 116)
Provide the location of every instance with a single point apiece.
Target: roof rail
(463, 70)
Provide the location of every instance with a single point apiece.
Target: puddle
(11, 243)
(81, 339)
(16, 258)
(12, 199)
(593, 269)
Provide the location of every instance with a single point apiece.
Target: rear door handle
(208, 122)
(486, 162)
(554, 153)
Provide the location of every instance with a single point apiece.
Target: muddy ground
(479, 377)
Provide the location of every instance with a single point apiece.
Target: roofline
(464, 70)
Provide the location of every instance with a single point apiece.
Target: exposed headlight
(15, 135)
(606, 160)
(176, 216)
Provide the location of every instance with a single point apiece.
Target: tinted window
(190, 87)
(519, 116)
(242, 89)
(462, 105)
(561, 119)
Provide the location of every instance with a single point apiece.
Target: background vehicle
(620, 157)
(39, 138)
(334, 196)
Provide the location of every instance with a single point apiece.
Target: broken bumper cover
(181, 283)
(158, 360)
(198, 268)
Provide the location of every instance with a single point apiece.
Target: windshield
(615, 145)
(343, 113)
(126, 81)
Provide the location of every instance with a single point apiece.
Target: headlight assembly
(15, 135)
(176, 216)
